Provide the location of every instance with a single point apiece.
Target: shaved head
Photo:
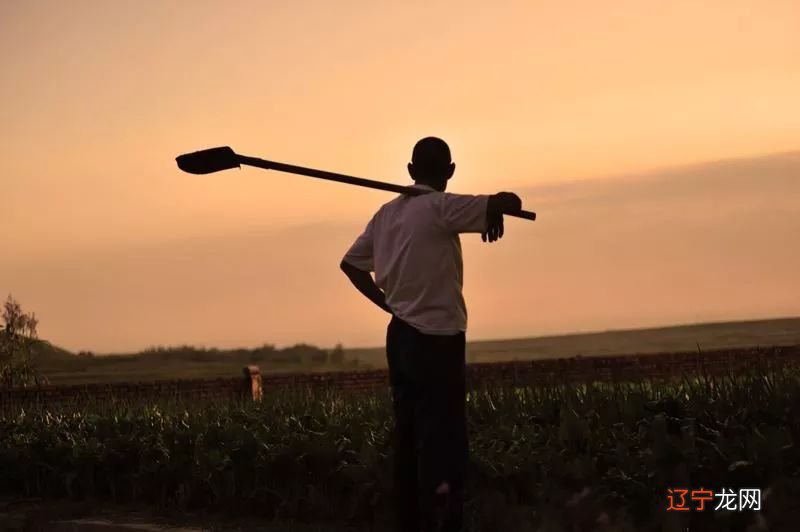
(431, 152)
(431, 161)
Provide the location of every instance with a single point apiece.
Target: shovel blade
(208, 161)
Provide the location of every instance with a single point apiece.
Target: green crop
(561, 457)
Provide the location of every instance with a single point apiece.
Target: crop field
(63, 367)
(560, 457)
(706, 336)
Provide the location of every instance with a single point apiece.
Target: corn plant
(596, 456)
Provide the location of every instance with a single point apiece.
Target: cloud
(695, 243)
(775, 177)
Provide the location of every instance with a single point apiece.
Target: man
(412, 244)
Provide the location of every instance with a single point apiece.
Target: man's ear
(411, 171)
(450, 170)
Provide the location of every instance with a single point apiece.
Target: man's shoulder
(405, 205)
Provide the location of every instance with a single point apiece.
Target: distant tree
(336, 356)
(262, 354)
(17, 341)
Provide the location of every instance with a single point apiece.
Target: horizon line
(473, 341)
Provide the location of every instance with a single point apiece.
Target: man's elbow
(349, 269)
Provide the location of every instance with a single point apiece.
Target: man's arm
(464, 213)
(365, 284)
(357, 264)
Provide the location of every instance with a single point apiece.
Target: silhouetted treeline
(296, 354)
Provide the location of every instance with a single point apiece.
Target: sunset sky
(659, 143)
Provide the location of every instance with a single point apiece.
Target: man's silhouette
(412, 244)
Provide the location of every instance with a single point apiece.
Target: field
(183, 362)
(62, 367)
(624, 342)
(558, 458)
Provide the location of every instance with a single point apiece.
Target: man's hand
(494, 227)
(504, 203)
(499, 204)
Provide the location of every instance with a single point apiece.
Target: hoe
(224, 158)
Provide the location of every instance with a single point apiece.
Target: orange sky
(116, 249)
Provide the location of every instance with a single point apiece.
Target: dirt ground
(34, 515)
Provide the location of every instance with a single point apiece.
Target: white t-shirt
(413, 247)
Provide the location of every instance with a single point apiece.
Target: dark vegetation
(19, 347)
(557, 457)
(186, 362)
(560, 458)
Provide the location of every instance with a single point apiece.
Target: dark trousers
(430, 442)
